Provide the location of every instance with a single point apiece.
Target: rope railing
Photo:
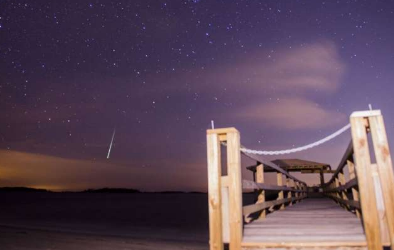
(298, 149)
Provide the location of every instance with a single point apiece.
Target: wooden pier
(355, 209)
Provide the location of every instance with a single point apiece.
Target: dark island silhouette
(99, 190)
(94, 190)
(22, 189)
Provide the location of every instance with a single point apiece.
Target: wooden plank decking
(314, 222)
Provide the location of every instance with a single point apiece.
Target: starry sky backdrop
(284, 73)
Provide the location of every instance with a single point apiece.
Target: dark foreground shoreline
(18, 238)
(79, 221)
(91, 220)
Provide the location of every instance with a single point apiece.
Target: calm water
(182, 216)
(141, 215)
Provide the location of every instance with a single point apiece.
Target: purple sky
(283, 73)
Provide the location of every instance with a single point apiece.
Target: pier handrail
(375, 180)
(337, 187)
(371, 184)
(342, 164)
(227, 214)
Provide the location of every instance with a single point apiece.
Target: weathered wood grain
(225, 215)
(312, 221)
(352, 176)
(214, 192)
(279, 181)
(235, 188)
(365, 182)
(385, 168)
(261, 196)
(350, 184)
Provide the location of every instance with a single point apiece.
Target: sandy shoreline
(19, 238)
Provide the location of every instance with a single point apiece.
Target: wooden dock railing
(366, 188)
(371, 183)
(227, 214)
(337, 188)
(375, 179)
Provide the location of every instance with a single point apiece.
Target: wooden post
(214, 192)
(337, 193)
(305, 190)
(321, 178)
(289, 193)
(365, 181)
(380, 206)
(334, 194)
(279, 180)
(352, 175)
(295, 185)
(385, 169)
(235, 188)
(261, 196)
(342, 181)
(337, 185)
(225, 214)
(301, 188)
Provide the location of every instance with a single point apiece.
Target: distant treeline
(99, 190)
(22, 189)
(112, 190)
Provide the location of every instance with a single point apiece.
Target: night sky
(284, 73)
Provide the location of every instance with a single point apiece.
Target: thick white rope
(294, 150)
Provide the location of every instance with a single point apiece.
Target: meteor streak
(110, 145)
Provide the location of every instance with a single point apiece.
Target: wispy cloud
(291, 114)
(315, 67)
(284, 85)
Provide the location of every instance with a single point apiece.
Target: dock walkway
(313, 221)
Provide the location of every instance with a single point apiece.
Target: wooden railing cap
(222, 131)
(366, 113)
